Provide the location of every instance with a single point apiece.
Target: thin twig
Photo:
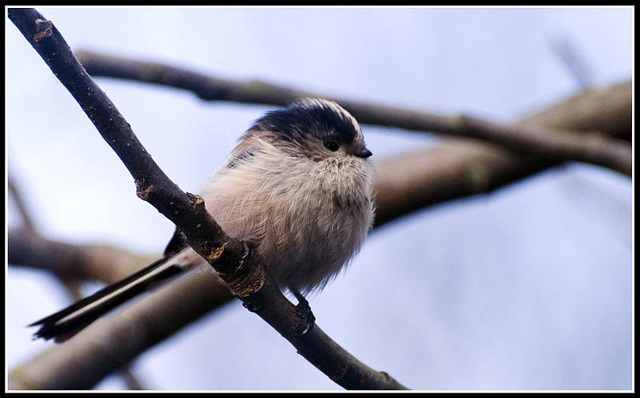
(19, 202)
(543, 142)
(131, 379)
(572, 59)
(247, 279)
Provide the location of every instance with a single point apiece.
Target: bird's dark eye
(332, 146)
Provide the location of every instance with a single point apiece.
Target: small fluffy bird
(297, 186)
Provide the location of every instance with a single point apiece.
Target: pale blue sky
(525, 288)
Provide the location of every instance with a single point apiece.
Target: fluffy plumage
(297, 185)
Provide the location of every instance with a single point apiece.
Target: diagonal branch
(548, 144)
(230, 257)
(102, 263)
(27, 221)
(572, 59)
(461, 168)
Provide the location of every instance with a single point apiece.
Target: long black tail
(65, 323)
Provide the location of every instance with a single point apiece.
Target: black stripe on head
(310, 117)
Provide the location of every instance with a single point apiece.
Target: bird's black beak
(362, 153)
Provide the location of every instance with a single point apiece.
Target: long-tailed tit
(297, 186)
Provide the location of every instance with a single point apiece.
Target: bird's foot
(306, 317)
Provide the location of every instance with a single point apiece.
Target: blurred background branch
(459, 168)
(572, 59)
(546, 144)
(71, 264)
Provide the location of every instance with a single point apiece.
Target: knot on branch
(197, 201)
(216, 252)
(44, 29)
(143, 190)
(248, 277)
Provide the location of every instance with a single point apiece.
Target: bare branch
(455, 169)
(606, 109)
(184, 303)
(545, 143)
(589, 147)
(86, 262)
(132, 380)
(460, 168)
(108, 345)
(151, 183)
(230, 257)
(26, 241)
(19, 201)
(127, 373)
(28, 234)
(572, 59)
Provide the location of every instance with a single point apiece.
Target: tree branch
(28, 240)
(230, 257)
(572, 59)
(103, 263)
(109, 344)
(127, 373)
(606, 109)
(19, 201)
(461, 168)
(78, 364)
(543, 142)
